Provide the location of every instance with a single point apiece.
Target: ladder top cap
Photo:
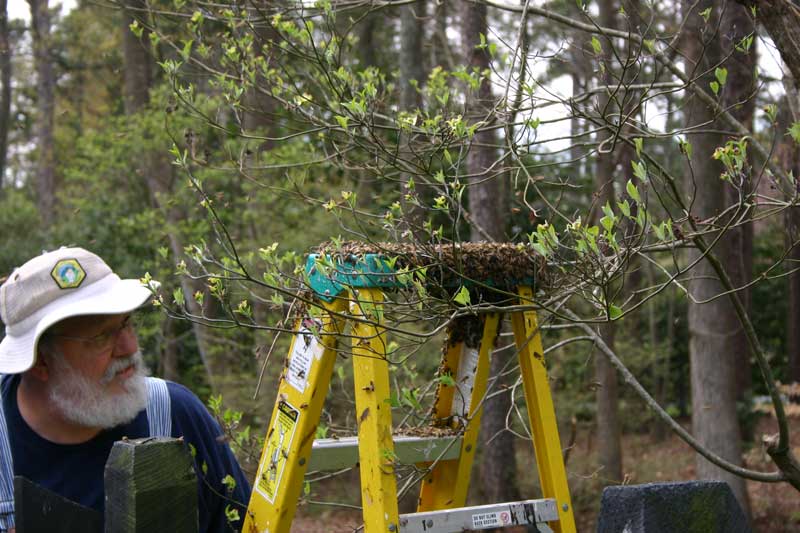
(480, 266)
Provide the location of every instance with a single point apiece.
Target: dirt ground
(775, 507)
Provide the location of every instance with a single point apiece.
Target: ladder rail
(541, 413)
(374, 414)
(301, 395)
(537, 513)
(336, 454)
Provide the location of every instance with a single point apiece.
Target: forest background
(643, 153)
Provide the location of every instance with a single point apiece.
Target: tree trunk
(412, 75)
(609, 448)
(792, 218)
(739, 97)
(411, 62)
(45, 103)
(441, 53)
(488, 219)
(5, 90)
(662, 347)
(788, 155)
(138, 62)
(713, 326)
(781, 19)
(366, 39)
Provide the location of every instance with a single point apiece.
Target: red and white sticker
(484, 520)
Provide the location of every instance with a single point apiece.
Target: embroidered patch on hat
(68, 273)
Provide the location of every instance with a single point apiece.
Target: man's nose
(126, 343)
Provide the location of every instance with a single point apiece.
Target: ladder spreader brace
(354, 287)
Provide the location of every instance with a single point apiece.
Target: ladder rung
(334, 454)
(496, 515)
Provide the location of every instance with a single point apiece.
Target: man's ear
(40, 369)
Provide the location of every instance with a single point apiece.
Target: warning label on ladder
(484, 520)
(306, 348)
(280, 438)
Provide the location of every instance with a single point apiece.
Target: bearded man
(73, 382)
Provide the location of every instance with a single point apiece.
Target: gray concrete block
(686, 507)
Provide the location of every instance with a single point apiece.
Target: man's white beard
(90, 404)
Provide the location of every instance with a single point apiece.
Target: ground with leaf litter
(776, 507)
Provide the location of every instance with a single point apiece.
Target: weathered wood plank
(37, 509)
(150, 486)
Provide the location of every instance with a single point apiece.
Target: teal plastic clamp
(328, 277)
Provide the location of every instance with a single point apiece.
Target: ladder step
(335, 454)
(492, 516)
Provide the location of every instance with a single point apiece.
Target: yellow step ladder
(351, 290)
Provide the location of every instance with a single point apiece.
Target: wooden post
(150, 486)
(38, 509)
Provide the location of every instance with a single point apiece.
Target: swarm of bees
(489, 270)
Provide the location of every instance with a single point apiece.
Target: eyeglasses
(104, 341)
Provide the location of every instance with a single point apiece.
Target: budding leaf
(721, 74)
(598, 48)
(794, 131)
(624, 208)
(462, 297)
(639, 170)
(633, 192)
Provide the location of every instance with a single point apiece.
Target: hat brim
(110, 296)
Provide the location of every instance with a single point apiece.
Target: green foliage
(794, 131)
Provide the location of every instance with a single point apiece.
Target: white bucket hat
(51, 287)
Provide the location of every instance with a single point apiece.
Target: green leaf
(714, 87)
(650, 44)
(686, 148)
(614, 312)
(342, 121)
(607, 222)
(624, 207)
(607, 211)
(639, 170)
(136, 29)
(638, 142)
(462, 297)
(447, 380)
(659, 230)
(177, 296)
(596, 46)
(706, 13)
(641, 218)
(771, 111)
(540, 248)
(745, 44)
(230, 482)
(187, 49)
(721, 74)
(533, 123)
(633, 192)
(794, 131)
